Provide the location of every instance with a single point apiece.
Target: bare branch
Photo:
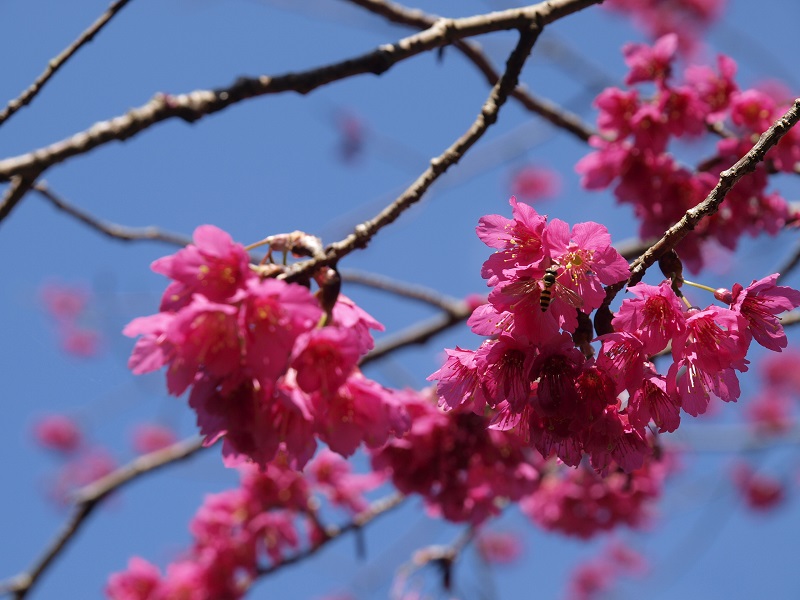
(438, 166)
(374, 510)
(56, 63)
(195, 105)
(112, 230)
(20, 185)
(88, 498)
(550, 111)
(406, 290)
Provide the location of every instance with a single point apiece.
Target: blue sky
(271, 165)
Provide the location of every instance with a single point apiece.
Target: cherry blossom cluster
(688, 19)
(578, 502)
(267, 367)
(632, 151)
(537, 370)
(241, 531)
(464, 470)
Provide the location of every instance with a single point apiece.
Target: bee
(551, 286)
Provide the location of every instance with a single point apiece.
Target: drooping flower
(214, 266)
(760, 303)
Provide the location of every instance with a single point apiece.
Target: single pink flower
(650, 63)
(58, 432)
(760, 492)
(141, 581)
(324, 358)
(149, 437)
(655, 315)
(499, 547)
(617, 108)
(760, 303)
(214, 266)
(519, 242)
(532, 183)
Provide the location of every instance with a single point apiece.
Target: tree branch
(88, 498)
(195, 105)
(375, 510)
(112, 230)
(20, 185)
(546, 109)
(438, 166)
(56, 63)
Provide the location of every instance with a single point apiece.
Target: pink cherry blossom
(760, 303)
(58, 432)
(650, 63)
(655, 315)
(532, 183)
(214, 266)
(150, 437)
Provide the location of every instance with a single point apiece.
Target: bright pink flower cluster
(546, 279)
(580, 503)
(636, 132)
(689, 19)
(562, 398)
(262, 370)
(460, 467)
(235, 532)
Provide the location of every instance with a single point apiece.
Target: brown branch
(88, 498)
(406, 290)
(438, 166)
(374, 510)
(20, 185)
(112, 230)
(418, 19)
(709, 206)
(56, 63)
(200, 103)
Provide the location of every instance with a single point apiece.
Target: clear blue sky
(271, 165)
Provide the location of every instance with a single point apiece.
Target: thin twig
(418, 19)
(88, 498)
(112, 230)
(376, 509)
(364, 232)
(406, 290)
(56, 63)
(200, 103)
(20, 185)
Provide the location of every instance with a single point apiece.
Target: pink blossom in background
(499, 547)
(67, 305)
(62, 301)
(761, 493)
(770, 412)
(81, 342)
(531, 183)
(58, 432)
(81, 470)
(149, 437)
